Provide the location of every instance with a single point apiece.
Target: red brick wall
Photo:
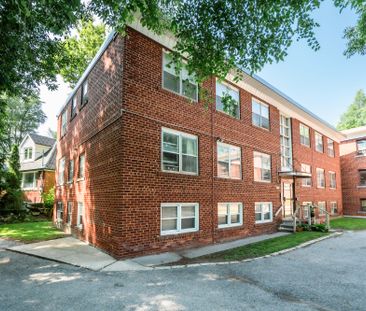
(305, 155)
(350, 164)
(120, 132)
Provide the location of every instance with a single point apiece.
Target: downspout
(213, 173)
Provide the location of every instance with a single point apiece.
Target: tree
(356, 113)
(80, 49)
(31, 33)
(23, 115)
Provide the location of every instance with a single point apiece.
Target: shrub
(49, 198)
(319, 227)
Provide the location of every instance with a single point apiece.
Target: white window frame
(61, 173)
(321, 212)
(330, 150)
(81, 177)
(306, 209)
(262, 221)
(81, 212)
(318, 169)
(180, 152)
(304, 169)
(26, 152)
(70, 177)
(319, 138)
(361, 143)
(165, 52)
(60, 206)
(261, 104)
(179, 218)
(286, 161)
(361, 206)
(84, 94)
(230, 147)
(228, 88)
(64, 123)
(228, 209)
(69, 213)
(74, 106)
(333, 204)
(262, 155)
(34, 186)
(304, 129)
(331, 173)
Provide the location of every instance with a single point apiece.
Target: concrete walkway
(75, 252)
(67, 250)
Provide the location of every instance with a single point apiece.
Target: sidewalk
(75, 252)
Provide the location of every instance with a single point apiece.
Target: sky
(323, 81)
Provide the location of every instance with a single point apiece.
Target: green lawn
(348, 223)
(263, 248)
(30, 231)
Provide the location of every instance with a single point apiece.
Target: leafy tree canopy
(355, 115)
(23, 115)
(79, 50)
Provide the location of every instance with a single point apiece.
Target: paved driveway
(329, 275)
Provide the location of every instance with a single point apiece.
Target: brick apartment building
(143, 167)
(353, 166)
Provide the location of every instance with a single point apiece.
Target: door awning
(292, 174)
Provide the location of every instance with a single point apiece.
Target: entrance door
(287, 200)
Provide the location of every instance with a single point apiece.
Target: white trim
(78, 223)
(289, 137)
(330, 180)
(229, 224)
(180, 152)
(34, 187)
(263, 221)
(317, 181)
(309, 137)
(261, 154)
(179, 230)
(322, 139)
(322, 209)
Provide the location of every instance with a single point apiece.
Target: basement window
(179, 218)
(230, 214)
(263, 212)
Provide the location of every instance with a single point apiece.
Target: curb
(305, 244)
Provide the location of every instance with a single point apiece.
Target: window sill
(332, 188)
(29, 189)
(320, 187)
(360, 155)
(80, 179)
(306, 146)
(227, 115)
(180, 173)
(361, 187)
(261, 128)
(264, 222)
(173, 233)
(228, 178)
(263, 181)
(305, 186)
(230, 226)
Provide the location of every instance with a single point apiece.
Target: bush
(49, 198)
(319, 227)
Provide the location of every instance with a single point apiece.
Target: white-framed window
(322, 208)
(80, 215)
(229, 214)
(228, 161)
(182, 82)
(362, 175)
(333, 208)
(263, 212)
(306, 209)
(61, 171)
(306, 168)
(28, 153)
(332, 180)
(227, 99)
(29, 180)
(304, 135)
(179, 152)
(363, 205)
(319, 142)
(70, 171)
(73, 106)
(60, 212)
(260, 114)
(179, 218)
(262, 167)
(330, 147)
(320, 178)
(64, 123)
(84, 93)
(81, 170)
(285, 138)
(69, 213)
(361, 147)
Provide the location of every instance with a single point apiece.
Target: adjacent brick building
(144, 167)
(37, 166)
(353, 164)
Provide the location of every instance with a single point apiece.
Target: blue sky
(324, 81)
